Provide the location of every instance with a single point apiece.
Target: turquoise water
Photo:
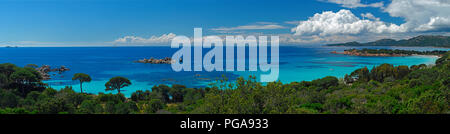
(296, 64)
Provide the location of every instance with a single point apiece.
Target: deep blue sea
(297, 63)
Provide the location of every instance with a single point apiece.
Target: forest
(384, 89)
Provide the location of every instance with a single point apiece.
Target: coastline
(392, 46)
(375, 52)
(417, 55)
(431, 58)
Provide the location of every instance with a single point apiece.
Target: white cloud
(419, 16)
(266, 23)
(354, 3)
(370, 16)
(165, 38)
(314, 39)
(258, 26)
(422, 15)
(52, 44)
(294, 22)
(343, 22)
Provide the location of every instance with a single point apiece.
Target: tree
(8, 99)
(163, 91)
(361, 74)
(116, 83)
(155, 105)
(53, 106)
(177, 92)
(25, 76)
(7, 68)
(3, 80)
(383, 71)
(90, 107)
(32, 65)
(82, 78)
(325, 82)
(401, 71)
(25, 80)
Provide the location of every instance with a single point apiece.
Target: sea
(296, 63)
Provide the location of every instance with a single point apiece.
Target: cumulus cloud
(165, 38)
(354, 3)
(370, 16)
(343, 22)
(258, 26)
(422, 15)
(419, 15)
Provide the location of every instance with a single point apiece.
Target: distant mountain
(419, 41)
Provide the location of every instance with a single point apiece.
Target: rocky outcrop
(61, 69)
(44, 70)
(152, 60)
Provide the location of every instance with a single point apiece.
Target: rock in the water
(44, 70)
(152, 60)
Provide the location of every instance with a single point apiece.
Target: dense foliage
(419, 41)
(384, 89)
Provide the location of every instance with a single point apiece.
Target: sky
(156, 22)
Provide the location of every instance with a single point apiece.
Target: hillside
(419, 41)
(388, 52)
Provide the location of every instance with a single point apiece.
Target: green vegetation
(385, 89)
(117, 83)
(82, 78)
(396, 52)
(419, 41)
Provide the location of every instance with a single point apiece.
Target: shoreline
(391, 46)
(389, 52)
(418, 55)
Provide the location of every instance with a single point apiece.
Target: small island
(388, 52)
(11, 46)
(152, 60)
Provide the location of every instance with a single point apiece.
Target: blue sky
(101, 22)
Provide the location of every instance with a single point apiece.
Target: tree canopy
(116, 83)
(82, 78)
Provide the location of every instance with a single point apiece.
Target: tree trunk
(81, 86)
(118, 90)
